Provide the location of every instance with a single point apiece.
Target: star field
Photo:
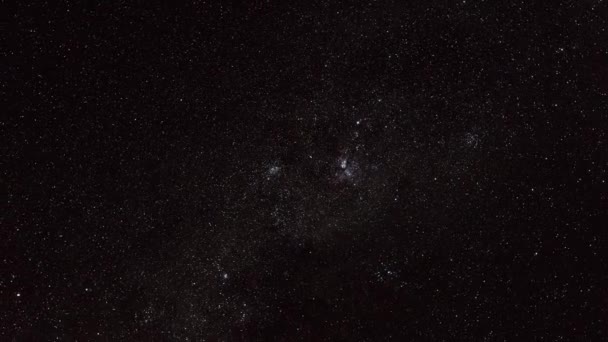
(311, 171)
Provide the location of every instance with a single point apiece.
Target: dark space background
(304, 171)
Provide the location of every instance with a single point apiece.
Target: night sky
(304, 171)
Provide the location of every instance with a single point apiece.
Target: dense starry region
(306, 171)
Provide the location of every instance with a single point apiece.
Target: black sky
(310, 171)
